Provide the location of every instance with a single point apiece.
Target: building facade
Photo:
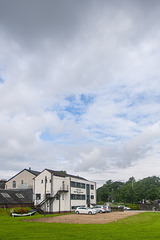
(22, 180)
(57, 191)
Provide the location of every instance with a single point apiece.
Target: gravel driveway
(88, 219)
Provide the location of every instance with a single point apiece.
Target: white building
(57, 191)
(22, 180)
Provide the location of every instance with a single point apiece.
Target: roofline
(21, 172)
(67, 175)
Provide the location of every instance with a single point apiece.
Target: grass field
(143, 226)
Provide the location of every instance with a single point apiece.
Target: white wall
(83, 191)
(27, 178)
(56, 183)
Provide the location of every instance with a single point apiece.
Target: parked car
(108, 209)
(85, 210)
(102, 209)
(124, 207)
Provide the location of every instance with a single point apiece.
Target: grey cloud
(120, 155)
(30, 22)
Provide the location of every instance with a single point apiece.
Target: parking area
(100, 218)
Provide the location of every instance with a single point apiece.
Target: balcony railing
(64, 188)
(25, 185)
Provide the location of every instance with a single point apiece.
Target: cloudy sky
(80, 87)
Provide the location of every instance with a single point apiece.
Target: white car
(85, 210)
(124, 208)
(100, 209)
(127, 208)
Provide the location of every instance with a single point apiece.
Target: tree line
(131, 191)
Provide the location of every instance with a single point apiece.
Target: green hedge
(100, 203)
(133, 206)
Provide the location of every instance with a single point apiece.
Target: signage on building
(78, 191)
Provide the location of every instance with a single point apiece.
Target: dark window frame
(78, 197)
(78, 185)
(38, 196)
(92, 187)
(14, 184)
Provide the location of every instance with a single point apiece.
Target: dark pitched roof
(32, 171)
(64, 174)
(29, 170)
(16, 196)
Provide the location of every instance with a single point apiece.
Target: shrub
(132, 206)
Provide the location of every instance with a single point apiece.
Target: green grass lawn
(143, 226)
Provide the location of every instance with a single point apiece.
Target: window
(14, 184)
(41, 181)
(83, 197)
(77, 184)
(19, 195)
(6, 195)
(73, 196)
(38, 196)
(77, 197)
(92, 187)
(73, 184)
(83, 185)
(21, 181)
(92, 196)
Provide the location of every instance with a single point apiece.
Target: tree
(131, 191)
(110, 190)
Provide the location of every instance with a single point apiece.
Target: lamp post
(132, 191)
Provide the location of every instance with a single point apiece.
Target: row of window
(73, 197)
(80, 185)
(73, 184)
(77, 184)
(77, 197)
